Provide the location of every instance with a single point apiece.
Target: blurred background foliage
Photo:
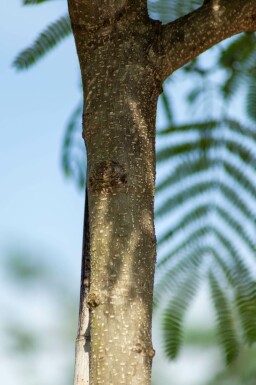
(205, 194)
(41, 316)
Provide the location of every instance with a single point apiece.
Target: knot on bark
(92, 300)
(138, 348)
(151, 352)
(107, 176)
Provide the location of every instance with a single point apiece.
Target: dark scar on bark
(92, 300)
(138, 348)
(108, 176)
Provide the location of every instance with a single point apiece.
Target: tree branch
(187, 37)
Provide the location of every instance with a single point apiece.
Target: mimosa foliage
(46, 41)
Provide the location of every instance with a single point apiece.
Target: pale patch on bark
(82, 369)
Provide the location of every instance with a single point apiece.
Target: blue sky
(40, 210)
(38, 206)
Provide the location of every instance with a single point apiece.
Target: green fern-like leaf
(171, 279)
(191, 239)
(209, 126)
(73, 151)
(166, 105)
(199, 188)
(174, 314)
(204, 145)
(194, 215)
(237, 228)
(200, 213)
(237, 59)
(251, 99)
(209, 159)
(237, 268)
(239, 50)
(46, 41)
(34, 2)
(246, 305)
(199, 126)
(184, 169)
(226, 326)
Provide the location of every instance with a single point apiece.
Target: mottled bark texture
(124, 58)
(187, 37)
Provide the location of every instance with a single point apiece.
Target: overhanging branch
(187, 37)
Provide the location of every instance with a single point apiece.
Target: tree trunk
(124, 57)
(120, 94)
